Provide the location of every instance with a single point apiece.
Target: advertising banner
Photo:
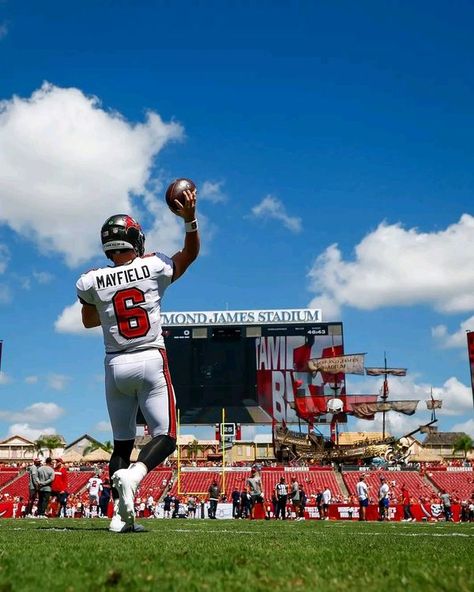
(283, 377)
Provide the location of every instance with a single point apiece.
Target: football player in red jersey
(59, 486)
(125, 300)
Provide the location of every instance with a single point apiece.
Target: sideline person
(281, 492)
(362, 490)
(33, 486)
(59, 487)
(214, 494)
(406, 502)
(125, 300)
(384, 500)
(254, 485)
(45, 478)
(327, 495)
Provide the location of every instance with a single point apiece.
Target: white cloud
(57, 382)
(36, 414)
(273, 208)
(466, 426)
(212, 191)
(398, 267)
(456, 398)
(27, 431)
(43, 277)
(4, 257)
(5, 294)
(69, 321)
(457, 339)
(31, 380)
(396, 424)
(103, 426)
(66, 164)
(4, 378)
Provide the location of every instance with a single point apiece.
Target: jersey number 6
(132, 320)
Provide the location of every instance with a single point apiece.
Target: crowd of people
(49, 497)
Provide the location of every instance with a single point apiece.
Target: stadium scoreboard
(243, 361)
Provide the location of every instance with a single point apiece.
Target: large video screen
(248, 370)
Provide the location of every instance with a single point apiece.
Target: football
(176, 190)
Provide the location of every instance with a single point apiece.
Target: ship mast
(384, 395)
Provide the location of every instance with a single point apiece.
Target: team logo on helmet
(122, 232)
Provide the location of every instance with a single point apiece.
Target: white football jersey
(128, 300)
(94, 485)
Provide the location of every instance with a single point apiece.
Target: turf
(202, 555)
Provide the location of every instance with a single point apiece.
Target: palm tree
(88, 449)
(107, 446)
(463, 444)
(194, 448)
(49, 442)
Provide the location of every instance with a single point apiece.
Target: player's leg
(158, 405)
(122, 406)
(157, 402)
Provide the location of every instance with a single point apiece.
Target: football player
(125, 300)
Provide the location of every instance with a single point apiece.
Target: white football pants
(140, 379)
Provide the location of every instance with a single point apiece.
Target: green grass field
(185, 555)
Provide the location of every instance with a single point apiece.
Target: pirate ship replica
(320, 391)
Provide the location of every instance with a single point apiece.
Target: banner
(367, 410)
(470, 349)
(383, 371)
(286, 390)
(347, 364)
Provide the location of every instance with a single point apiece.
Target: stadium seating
(6, 477)
(459, 485)
(155, 483)
(417, 488)
(311, 481)
(18, 487)
(78, 480)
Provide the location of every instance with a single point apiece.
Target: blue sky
(332, 145)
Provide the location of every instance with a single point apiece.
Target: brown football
(176, 190)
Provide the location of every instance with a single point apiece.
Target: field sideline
(186, 555)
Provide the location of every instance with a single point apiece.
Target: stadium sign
(242, 317)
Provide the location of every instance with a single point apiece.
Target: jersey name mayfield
(128, 299)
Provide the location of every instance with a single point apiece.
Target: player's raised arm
(183, 259)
